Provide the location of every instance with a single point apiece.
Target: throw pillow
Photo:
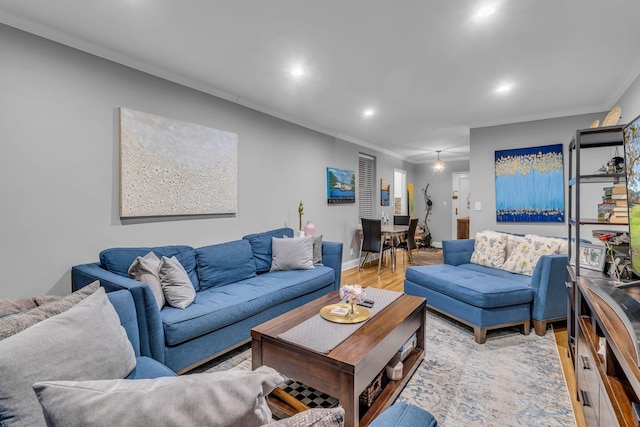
(292, 254)
(315, 417)
(85, 342)
(489, 249)
(145, 269)
(225, 263)
(527, 252)
(12, 325)
(176, 285)
(261, 247)
(231, 398)
(317, 249)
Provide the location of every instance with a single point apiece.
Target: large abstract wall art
(530, 184)
(169, 167)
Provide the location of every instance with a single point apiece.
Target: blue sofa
(235, 291)
(146, 367)
(490, 298)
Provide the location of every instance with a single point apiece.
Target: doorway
(460, 200)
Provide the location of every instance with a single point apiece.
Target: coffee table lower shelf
(393, 389)
(388, 394)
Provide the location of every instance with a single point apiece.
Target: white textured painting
(169, 167)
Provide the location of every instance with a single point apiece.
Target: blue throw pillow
(261, 247)
(225, 263)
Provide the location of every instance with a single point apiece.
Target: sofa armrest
(456, 252)
(149, 323)
(548, 284)
(332, 257)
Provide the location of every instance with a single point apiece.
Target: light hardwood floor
(394, 281)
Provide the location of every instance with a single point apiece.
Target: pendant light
(438, 166)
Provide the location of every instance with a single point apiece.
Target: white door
(460, 200)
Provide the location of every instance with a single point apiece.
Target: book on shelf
(619, 196)
(621, 203)
(608, 201)
(619, 190)
(618, 219)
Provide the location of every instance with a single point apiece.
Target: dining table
(389, 231)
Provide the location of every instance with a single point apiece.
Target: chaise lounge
(495, 281)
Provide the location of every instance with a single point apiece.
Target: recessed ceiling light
(297, 71)
(504, 88)
(485, 11)
(368, 112)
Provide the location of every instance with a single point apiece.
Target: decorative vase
(352, 312)
(309, 229)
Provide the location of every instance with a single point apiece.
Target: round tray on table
(362, 314)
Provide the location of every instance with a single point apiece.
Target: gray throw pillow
(292, 254)
(176, 285)
(316, 417)
(145, 269)
(231, 398)
(11, 325)
(85, 342)
(10, 306)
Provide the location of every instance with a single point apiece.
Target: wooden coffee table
(351, 366)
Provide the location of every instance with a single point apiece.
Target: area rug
(511, 380)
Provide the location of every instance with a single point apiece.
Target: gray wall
(59, 168)
(484, 143)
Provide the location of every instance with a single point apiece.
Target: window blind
(366, 186)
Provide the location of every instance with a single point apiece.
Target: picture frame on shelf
(592, 257)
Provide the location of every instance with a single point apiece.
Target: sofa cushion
(473, 287)
(261, 247)
(527, 251)
(118, 260)
(176, 285)
(145, 269)
(291, 254)
(16, 323)
(231, 398)
(220, 306)
(69, 346)
(489, 249)
(403, 414)
(225, 263)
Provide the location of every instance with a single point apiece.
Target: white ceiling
(428, 68)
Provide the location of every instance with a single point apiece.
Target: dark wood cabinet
(463, 228)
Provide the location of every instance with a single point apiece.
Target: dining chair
(409, 243)
(372, 241)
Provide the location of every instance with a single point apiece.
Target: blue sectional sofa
(235, 291)
(490, 298)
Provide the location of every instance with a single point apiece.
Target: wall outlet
(351, 251)
(478, 206)
(444, 203)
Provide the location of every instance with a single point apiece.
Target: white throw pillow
(489, 249)
(292, 254)
(231, 398)
(176, 285)
(145, 269)
(527, 252)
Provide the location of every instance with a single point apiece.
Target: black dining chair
(409, 243)
(372, 241)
